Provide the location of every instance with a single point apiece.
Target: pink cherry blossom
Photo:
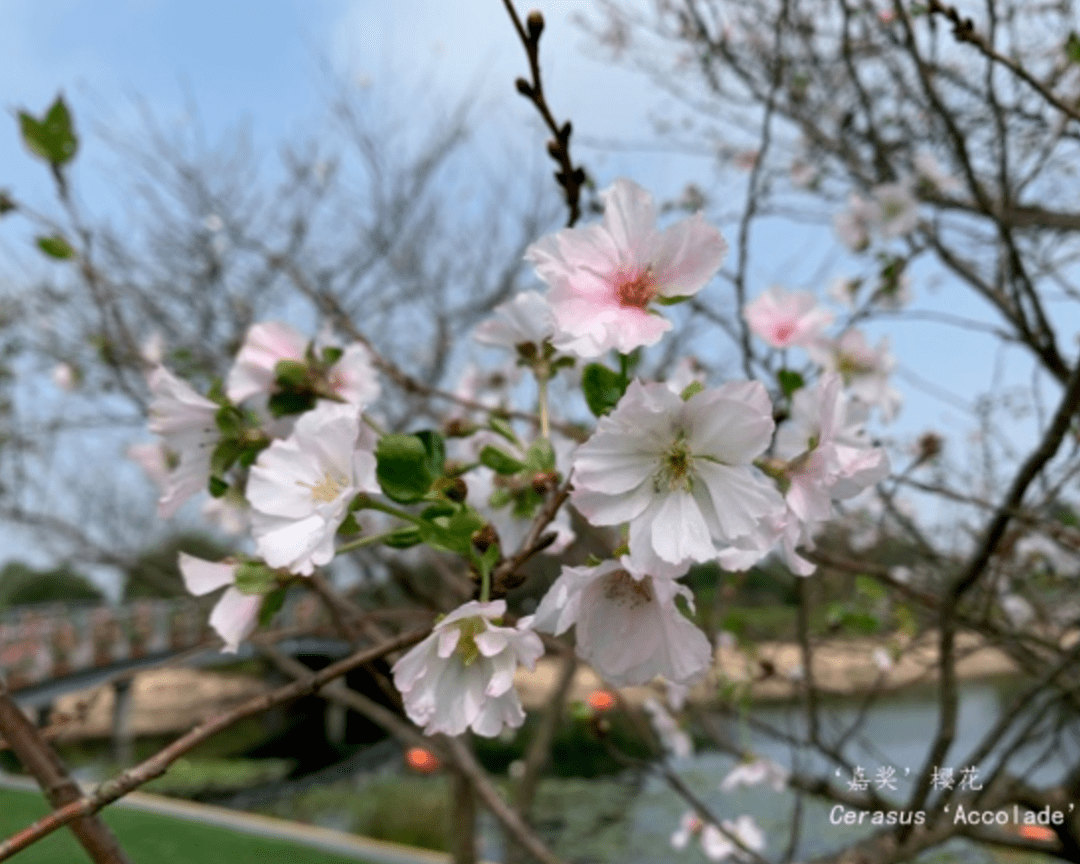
(462, 675)
(787, 318)
(603, 277)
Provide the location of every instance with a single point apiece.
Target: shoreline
(773, 671)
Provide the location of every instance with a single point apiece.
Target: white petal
(202, 577)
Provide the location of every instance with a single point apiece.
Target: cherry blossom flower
(929, 171)
(235, 615)
(462, 675)
(627, 624)
(897, 209)
(864, 370)
(675, 741)
(680, 472)
(714, 844)
(755, 773)
(65, 377)
(854, 224)
(826, 456)
(828, 452)
(351, 378)
(603, 277)
(186, 423)
(527, 319)
(786, 318)
(300, 488)
(266, 344)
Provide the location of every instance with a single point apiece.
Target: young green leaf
(402, 467)
(56, 247)
(602, 387)
(500, 461)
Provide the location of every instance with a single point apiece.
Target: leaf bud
(524, 88)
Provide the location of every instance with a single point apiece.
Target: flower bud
(524, 88)
(483, 538)
(535, 23)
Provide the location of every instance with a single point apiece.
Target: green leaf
(672, 301)
(602, 387)
(691, 390)
(330, 356)
(1072, 47)
(281, 404)
(217, 487)
(253, 577)
(499, 425)
(291, 374)
(56, 247)
(499, 498)
(271, 605)
(435, 448)
(540, 456)
(789, 381)
(500, 461)
(452, 534)
(402, 467)
(229, 421)
(52, 138)
(224, 455)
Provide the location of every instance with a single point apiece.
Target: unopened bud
(930, 445)
(542, 481)
(564, 132)
(458, 428)
(524, 88)
(455, 489)
(483, 538)
(535, 23)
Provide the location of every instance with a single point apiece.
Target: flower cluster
(690, 473)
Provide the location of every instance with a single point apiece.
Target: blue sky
(268, 63)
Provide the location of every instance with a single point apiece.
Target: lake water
(896, 734)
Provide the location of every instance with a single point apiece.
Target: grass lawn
(152, 839)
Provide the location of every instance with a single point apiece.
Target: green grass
(152, 839)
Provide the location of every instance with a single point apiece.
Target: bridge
(50, 650)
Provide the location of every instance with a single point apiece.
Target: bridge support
(335, 722)
(123, 727)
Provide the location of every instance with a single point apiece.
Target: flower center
(676, 465)
(622, 588)
(635, 289)
(466, 648)
(327, 489)
(784, 331)
(850, 367)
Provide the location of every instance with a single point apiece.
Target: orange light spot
(1037, 832)
(422, 761)
(600, 701)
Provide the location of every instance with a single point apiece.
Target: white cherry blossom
(680, 472)
(760, 771)
(627, 624)
(462, 675)
(185, 421)
(864, 370)
(300, 488)
(236, 613)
